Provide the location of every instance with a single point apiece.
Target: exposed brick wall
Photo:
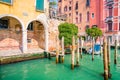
(37, 36)
(10, 38)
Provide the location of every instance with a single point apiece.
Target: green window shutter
(40, 5)
(6, 1)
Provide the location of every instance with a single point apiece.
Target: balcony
(62, 17)
(40, 5)
(109, 2)
(10, 2)
(109, 19)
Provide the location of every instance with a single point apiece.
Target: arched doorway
(10, 33)
(35, 35)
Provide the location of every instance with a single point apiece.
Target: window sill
(42, 11)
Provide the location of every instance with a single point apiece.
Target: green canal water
(45, 69)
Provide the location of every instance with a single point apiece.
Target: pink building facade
(77, 12)
(112, 19)
(104, 14)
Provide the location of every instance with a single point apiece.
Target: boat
(97, 49)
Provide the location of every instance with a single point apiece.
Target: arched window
(76, 6)
(30, 26)
(88, 16)
(87, 3)
(76, 19)
(65, 8)
(3, 24)
(87, 27)
(60, 10)
(80, 17)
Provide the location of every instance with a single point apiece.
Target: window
(76, 13)
(28, 40)
(80, 17)
(40, 5)
(60, 10)
(110, 11)
(87, 3)
(3, 24)
(69, 8)
(88, 16)
(30, 26)
(110, 26)
(69, 14)
(76, 6)
(60, 0)
(65, 8)
(70, 2)
(110, 37)
(92, 15)
(119, 26)
(76, 19)
(87, 27)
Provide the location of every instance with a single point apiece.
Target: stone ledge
(19, 58)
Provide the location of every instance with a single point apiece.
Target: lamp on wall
(17, 28)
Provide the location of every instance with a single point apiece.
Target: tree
(52, 4)
(67, 30)
(94, 32)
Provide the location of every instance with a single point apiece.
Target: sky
(55, 1)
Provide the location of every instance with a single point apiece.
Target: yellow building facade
(23, 24)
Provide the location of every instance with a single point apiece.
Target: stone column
(24, 41)
(46, 40)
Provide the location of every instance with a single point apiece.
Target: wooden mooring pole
(57, 50)
(105, 59)
(100, 47)
(93, 49)
(81, 47)
(115, 54)
(77, 55)
(73, 52)
(63, 51)
(108, 56)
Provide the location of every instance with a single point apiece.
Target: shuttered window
(40, 5)
(7, 1)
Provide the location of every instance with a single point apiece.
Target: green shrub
(67, 30)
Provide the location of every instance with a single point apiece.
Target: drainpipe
(72, 11)
(118, 15)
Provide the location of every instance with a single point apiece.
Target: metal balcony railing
(110, 18)
(109, 2)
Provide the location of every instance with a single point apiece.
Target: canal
(45, 69)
